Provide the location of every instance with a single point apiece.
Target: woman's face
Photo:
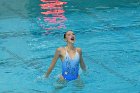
(70, 37)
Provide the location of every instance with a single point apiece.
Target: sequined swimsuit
(70, 67)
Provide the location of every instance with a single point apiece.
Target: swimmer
(71, 58)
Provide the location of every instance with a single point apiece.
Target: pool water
(107, 31)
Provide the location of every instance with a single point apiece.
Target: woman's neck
(70, 46)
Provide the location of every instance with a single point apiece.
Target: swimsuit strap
(67, 54)
(65, 49)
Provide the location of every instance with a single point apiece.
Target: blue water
(107, 31)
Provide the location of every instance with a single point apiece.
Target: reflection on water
(53, 16)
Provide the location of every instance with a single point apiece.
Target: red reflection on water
(54, 13)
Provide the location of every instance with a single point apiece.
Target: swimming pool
(107, 31)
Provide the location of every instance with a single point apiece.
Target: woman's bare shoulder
(79, 49)
(60, 49)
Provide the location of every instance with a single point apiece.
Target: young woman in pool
(70, 56)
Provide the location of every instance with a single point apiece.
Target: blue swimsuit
(70, 67)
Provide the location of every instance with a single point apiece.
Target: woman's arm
(54, 60)
(82, 64)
